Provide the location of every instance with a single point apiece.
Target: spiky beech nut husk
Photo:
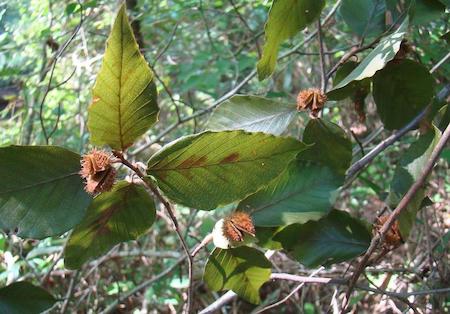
(311, 99)
(237, 225)
(97, 169)
(95, 161)
(100, 182)
(393, 237)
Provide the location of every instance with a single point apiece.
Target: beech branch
(379, 238)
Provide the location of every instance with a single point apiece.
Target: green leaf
(398, 97)
(333, 239)
(124, 97)
(426, 11)
(362, 86)
(253, 114)
(303, 192)
(286, 18)
(332, 147)
(23, 297)
(118, 216)
(407, 172)
(377, 58)
(364, 17)
(210, 169)
(265, 236)
(41, 194)
(243, 270)
(446, 155)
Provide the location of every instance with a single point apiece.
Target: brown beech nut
(97, 169)
(311, 99)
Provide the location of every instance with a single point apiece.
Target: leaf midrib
(120, 87)
(217, 164)
(268, 117)
(39, 183)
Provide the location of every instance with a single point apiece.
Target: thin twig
(173, 218)
(54, 61)
(69, 292)
(111, 308)
(164, 49)
(168, 91)
(202, 244)
(364, 161)
(294, 291)
(441, 62)
(323, 80)
(378, 238)
(230, 295)
(244, 22)
(233, 91)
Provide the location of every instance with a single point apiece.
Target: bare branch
(379, 238)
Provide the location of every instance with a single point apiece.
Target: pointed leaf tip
(124, 103)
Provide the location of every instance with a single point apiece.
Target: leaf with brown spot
(234, 164)
(124, 103)
(121, 215)
(230, 158)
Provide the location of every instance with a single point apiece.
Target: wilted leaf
(286, 18)
(398, 97)
(41, 194)
(210, 169)
(124, 97)
(23, 297)
(253, 114)
(121, 215)
(243, 270)
(335, 238)
(364, 17)
(377, 58)
(407, 172)
(303, 192)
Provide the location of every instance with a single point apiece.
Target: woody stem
(173, 218)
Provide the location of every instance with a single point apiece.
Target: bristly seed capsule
(311, 99)
(96, 168)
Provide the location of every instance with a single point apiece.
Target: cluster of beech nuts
(312, 99)
(97, 170)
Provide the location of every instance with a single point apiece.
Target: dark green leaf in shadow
(42, 193)
(118, 216)
(361, 87)
(265, 236)
(335, 238)
(401, 91)
(364, 17)
(332, 147)
(426, 11)
(24, 298)
(304, 191)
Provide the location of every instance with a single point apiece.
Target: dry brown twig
(173, 218)
(379, 238)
